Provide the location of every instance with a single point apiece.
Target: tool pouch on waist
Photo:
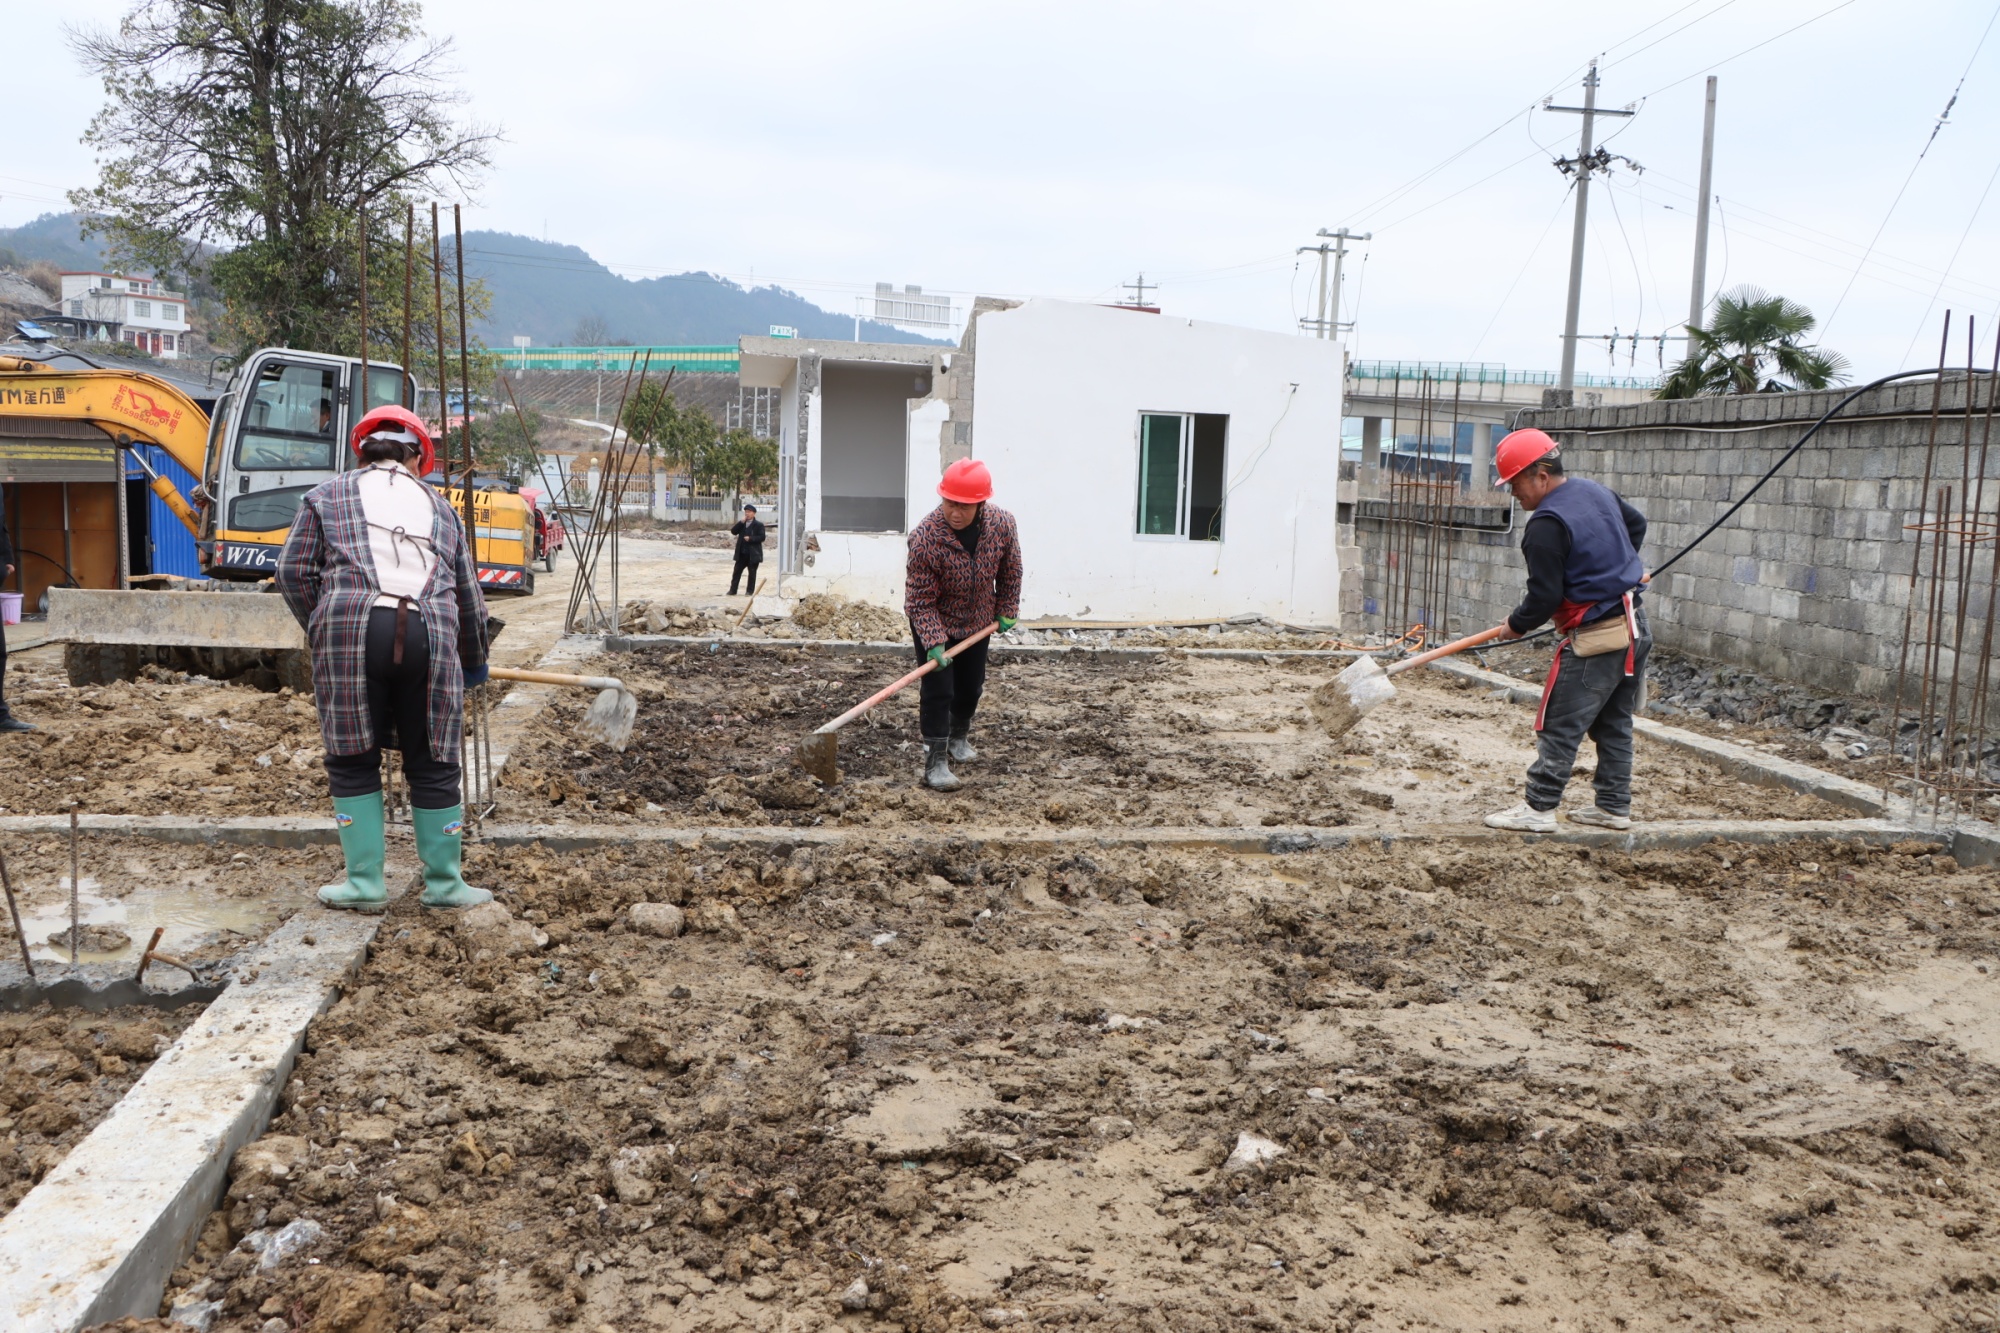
(1609, 635)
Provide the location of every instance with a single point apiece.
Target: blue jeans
(1592, 697)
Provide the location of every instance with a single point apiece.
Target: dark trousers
(1592, 697)
(742, 566)
(947, 699)
(399, 703)
(3, 671)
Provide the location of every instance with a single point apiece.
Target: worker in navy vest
(1584, 573)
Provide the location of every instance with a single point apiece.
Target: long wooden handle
(924, 670)
(556, 678)
(1455, 646)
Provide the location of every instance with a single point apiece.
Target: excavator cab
(280, 429)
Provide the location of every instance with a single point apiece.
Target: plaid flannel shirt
(327, 575)
(949, 594)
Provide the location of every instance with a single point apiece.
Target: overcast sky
(1060, 149)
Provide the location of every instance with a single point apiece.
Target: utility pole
(1698, 297)
(1138, 290)
(1323, 326)
(1582, 165)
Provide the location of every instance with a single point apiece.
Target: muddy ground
(164, 744)
(928, 1087)
(212, 900)
(61, 1071)
(1174, 742)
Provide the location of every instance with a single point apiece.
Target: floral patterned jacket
(949, 594)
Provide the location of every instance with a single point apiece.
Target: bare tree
(240, 137)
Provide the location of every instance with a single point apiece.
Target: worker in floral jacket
(377, 570)
(964, 573)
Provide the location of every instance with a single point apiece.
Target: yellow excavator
(276, 430)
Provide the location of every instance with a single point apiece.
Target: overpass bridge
(1444, 416)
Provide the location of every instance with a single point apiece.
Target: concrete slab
(99, 1237)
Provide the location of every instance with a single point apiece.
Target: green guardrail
(720, 360)
(1486, 372)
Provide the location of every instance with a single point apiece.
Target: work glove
(1008, 622)
(475, 675)
(937, 655)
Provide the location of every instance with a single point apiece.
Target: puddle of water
(189, 915)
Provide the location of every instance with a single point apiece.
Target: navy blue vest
(1602, 567)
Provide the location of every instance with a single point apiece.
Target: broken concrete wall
(1808, 582)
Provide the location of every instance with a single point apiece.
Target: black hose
(1783, 459)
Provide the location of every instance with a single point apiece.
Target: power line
(1936, 126)
(1711, 68)
(1932, 303)
(1675, 33)
(1525, 265)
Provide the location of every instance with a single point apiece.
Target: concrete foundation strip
(98, 1238)
(266, 831)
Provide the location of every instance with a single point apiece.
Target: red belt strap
(1572, 613)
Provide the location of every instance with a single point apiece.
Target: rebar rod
(14, 911)
(359, 409)
(1983, 693)
(437, 328)
(1965, 551)
(464, 384)
(409, 277)
(75, 905)
(1917, 551)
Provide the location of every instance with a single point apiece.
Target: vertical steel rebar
(409, 278)
(1969, 515)
(464, 384)
(1991, 539)
(1933, 610)
(1917, 555)
(75, 904)
(1391, 627)
(14, 911)
(360, 406)
(437, 328)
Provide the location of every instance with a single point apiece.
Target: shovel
(611, 714)
(818, 752)
(1349, 696)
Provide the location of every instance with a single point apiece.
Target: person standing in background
(749, 533)
(8, 722)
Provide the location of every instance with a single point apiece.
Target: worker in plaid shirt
(964, 573)
(377, 570)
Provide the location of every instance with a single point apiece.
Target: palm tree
(1754, 344)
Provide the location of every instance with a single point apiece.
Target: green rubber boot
(439, 833)
(359, 819)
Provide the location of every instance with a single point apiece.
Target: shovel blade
(1343, 701)
(818, 753)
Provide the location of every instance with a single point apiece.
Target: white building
(122, 308)
(1161, 468)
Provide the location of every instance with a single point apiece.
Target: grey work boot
(961, 748)
(937, 771)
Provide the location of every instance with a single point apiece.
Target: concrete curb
(261, 831)
(1738, 761)
(627, 643)
(102, 1233)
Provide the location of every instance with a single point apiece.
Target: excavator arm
(128, 405)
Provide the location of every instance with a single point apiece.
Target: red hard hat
(394, 420)
(967, 482)
(1520, 449)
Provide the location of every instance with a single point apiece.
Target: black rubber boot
(937, 771)
(961, 748)
(8, 722)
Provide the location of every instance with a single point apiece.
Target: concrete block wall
(1808, 582)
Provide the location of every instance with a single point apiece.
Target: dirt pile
(945, 1087)
(158, 746)
(1182, 742)
(61, 1071)
(823, 616)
